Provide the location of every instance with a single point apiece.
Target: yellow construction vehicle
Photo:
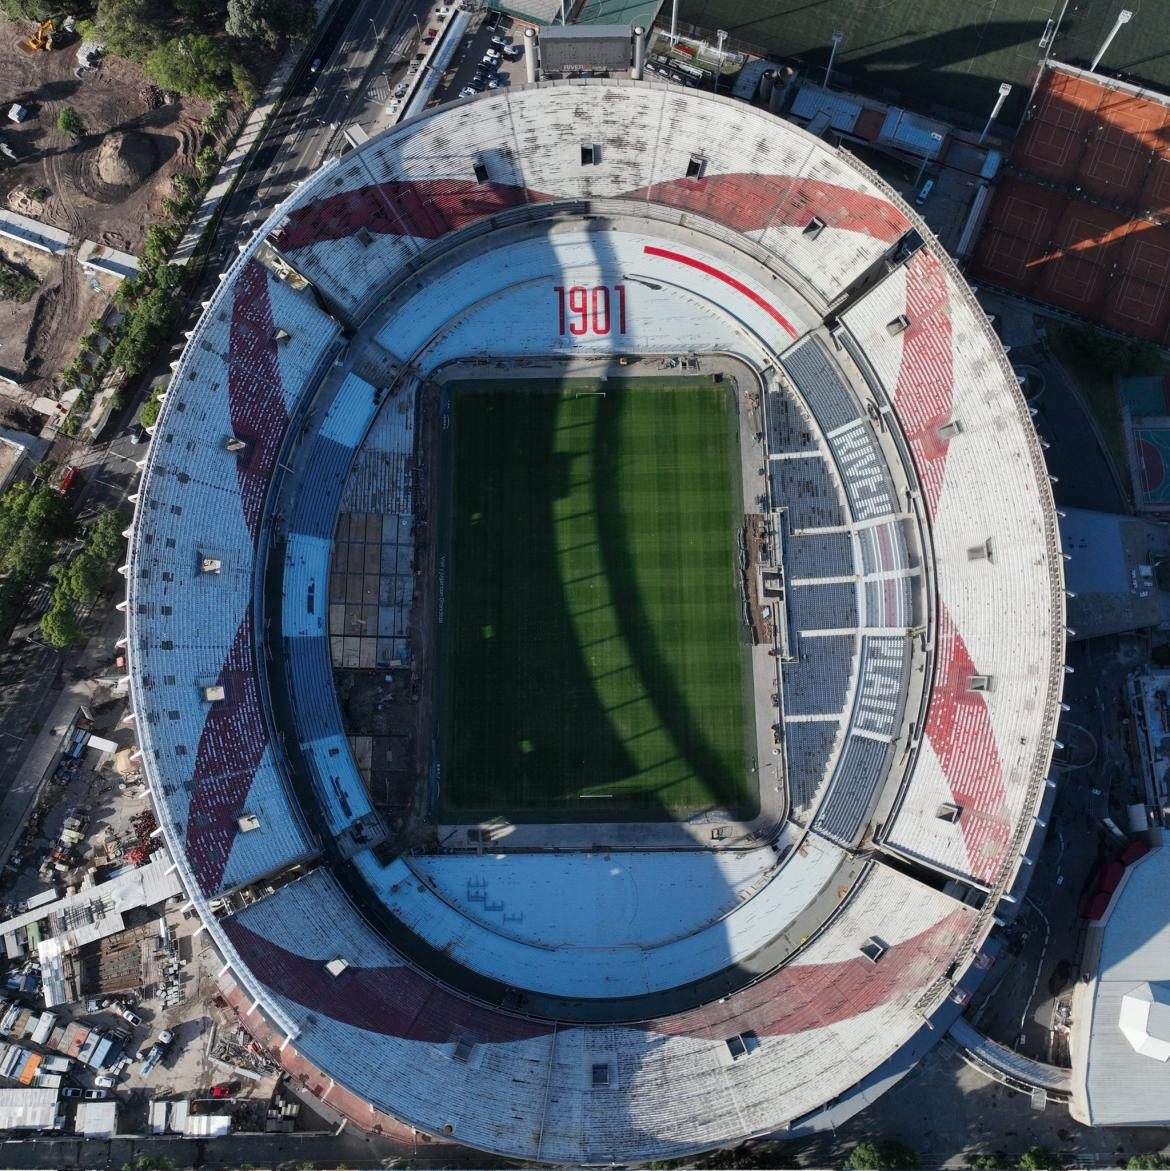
(43, 38)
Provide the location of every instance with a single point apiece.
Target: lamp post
(926, 157)
(1004, 90)
(838, 37)
(1123, 17)
(720, 37)
(377, 35)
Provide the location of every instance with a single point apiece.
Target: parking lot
(473, 71)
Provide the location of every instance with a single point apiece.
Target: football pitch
(594, 666)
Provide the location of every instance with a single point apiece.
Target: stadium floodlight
(931, 153)
(674, 23)
(1123, 17)
(720, 36)
(1004, 90)
(838, 37)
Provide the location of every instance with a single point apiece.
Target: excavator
(44, 37)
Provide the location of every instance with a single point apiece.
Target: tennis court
(1078, 223)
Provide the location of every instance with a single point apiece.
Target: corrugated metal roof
(811, 100)
(912, 132)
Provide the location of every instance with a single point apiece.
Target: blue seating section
(807, 489)
(823, 607)
(818, 681)
(822, 555)
(820, 384)
(788, 428)
(808, 748)
(860, 772)
(863, 472)
(312, 517)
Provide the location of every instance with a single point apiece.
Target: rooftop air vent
(463, 1050)
(814, 228)
(588, 154)
(949, 812)
(951, 429)
(210, 565)
(214, 694)
(900, 324)
(696, 165)
(235, 443)
(337, 966)
(281, 335)
(873, 949)
(980, 552)
(741, 1044)
(481, 173)
(599, 1076)
(248, 823)
(980, 683)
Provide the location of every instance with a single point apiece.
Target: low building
(35, 1108)
(1121, 1012)
(97, 1119)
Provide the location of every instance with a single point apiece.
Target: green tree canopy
(1148, 1161)
(105, 539)
(886, 1155)
(129, 28)
(59, 625)
(1039, 1159)
(83, 578)
(194, 64)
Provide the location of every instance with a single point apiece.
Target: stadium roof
(1121, 1031)
(941, 704)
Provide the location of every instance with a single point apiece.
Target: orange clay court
(1082, 221)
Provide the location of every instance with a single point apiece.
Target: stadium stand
(820, 385)
(823, 607)
(818, 681)
(818, 556)
(809, 747)
(807, 490)
(844, 811)
(749, 249)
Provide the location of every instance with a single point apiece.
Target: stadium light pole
(1004, 90)
(936, 138)
(838, 37)
(720, 36)
(1123, 17)
(674, 23)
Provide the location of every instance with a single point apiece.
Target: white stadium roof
(929, 602)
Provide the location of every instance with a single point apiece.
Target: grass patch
(594, 663)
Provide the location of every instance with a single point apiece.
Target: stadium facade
(916, 696)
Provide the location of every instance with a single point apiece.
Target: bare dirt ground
(113, 97)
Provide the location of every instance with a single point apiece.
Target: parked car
(225, 1089)
(70, 1092)
(104, 1082)
(315, 67)
(492, 55)
(94, 1095)
(468, 92)
(501, 42)
(132, 1017)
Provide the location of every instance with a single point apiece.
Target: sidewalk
(250, 135)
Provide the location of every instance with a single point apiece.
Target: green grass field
(591, 639)
(946, 53)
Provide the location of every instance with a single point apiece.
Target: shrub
(886, 1155)
(69, 122)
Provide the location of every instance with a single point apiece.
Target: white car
(494, 83)
(103, 1082)
(492, 55)
(468, 92)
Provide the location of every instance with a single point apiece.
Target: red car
(225, 1089)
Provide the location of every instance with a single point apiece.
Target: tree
(886, 1155)
(1148, 1161)
(105, 540)
(59, 625)
(83, 578)
(128, 27)
(244, 83)
(69, 122)
(190, 64)
(984, 1161)
(247, 20)
(1039, 1159)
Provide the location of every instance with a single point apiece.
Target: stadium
(714, 562)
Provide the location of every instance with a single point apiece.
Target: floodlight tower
(1004, 90)
(720, 36)
(1123, 17)
(838, 37)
